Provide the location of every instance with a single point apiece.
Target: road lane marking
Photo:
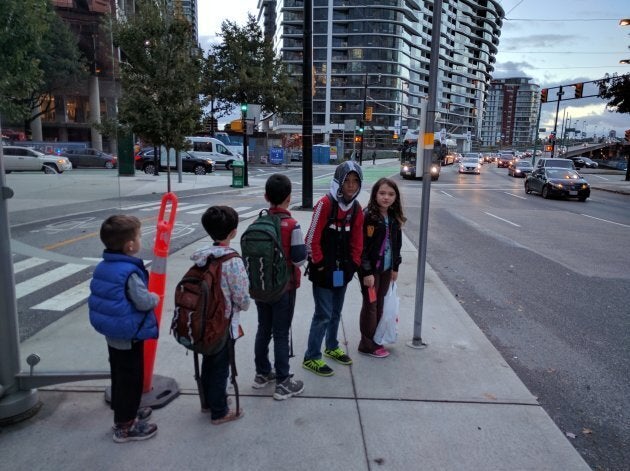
(250, 214)
(515, 196)
(28, 263)
(501, 219)
(201, 211)
(30, 286)
(67, 299)
(447, 194)
(605, 220)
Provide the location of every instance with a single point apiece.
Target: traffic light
(579, 88)
(361, 127)
(368, 113)
(358, 138)
(244, 108)
(544, 93)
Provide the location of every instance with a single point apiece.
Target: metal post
(245, 146)
(365, 85)
(428, 137)
(14, 403)
(536, 134)
(402, 102)
(307, 108)
(555, 123)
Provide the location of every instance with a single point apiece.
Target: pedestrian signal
(368, 113)
(543, 95)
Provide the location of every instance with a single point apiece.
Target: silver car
(25, 159)
(470, 165)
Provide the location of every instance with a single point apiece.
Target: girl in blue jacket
(121, 308)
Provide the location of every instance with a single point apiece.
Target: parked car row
(90, 158)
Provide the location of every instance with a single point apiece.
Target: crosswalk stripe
(180, 206)
(67, 299)
(27, 263)
(38, 282)
(141, 205)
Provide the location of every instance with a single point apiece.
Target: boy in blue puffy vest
(121, 308)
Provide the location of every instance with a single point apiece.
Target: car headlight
(585, 186)
(209, 162)
(405, 168)
(557, 185)
(434, 169)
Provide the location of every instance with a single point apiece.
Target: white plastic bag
(387, 328)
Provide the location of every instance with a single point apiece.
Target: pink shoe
(380, 352)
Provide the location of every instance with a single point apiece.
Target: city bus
(409, 167)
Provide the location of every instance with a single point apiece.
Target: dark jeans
(127, 370)
(215, 370)
(274, 320)
(371, 313)
(325, 323)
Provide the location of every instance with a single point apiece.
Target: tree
(616, 89)
(22, 26)
(244, 69)
(160, 74)
(39, 56)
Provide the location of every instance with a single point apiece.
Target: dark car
(561, 182)
(520, 168)
(585, 162)
(90, 158)
(504, 160)
(190, 163)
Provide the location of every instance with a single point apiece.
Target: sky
(552, 42)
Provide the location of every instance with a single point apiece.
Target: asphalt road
(546, 280)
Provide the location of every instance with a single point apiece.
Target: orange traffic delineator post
(157, 278)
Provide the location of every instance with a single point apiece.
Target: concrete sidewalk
(455, 405)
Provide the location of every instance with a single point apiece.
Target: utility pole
(307, 108)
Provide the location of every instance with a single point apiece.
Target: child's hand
(368, 281)
(394, 275)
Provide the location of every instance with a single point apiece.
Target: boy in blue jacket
(121, 308)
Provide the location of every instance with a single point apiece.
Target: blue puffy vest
(111, 312)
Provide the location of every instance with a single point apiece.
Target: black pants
(215, 370)
(127, 371)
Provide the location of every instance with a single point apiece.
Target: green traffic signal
(244, 107)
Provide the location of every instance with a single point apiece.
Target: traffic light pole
(362, 124)
(555, 123)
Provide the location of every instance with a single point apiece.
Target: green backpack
(264, 258)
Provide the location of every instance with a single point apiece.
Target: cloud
(536, 41)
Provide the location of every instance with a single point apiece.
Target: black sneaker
(288, 388)
(339, 356)
(261, 380)
(319, 367)
(136, 432)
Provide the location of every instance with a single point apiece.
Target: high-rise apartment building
(511, 113)
(377, 52)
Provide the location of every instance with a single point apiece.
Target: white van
(211, 148)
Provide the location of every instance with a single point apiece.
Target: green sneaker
(319, 367)
(339, 356)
